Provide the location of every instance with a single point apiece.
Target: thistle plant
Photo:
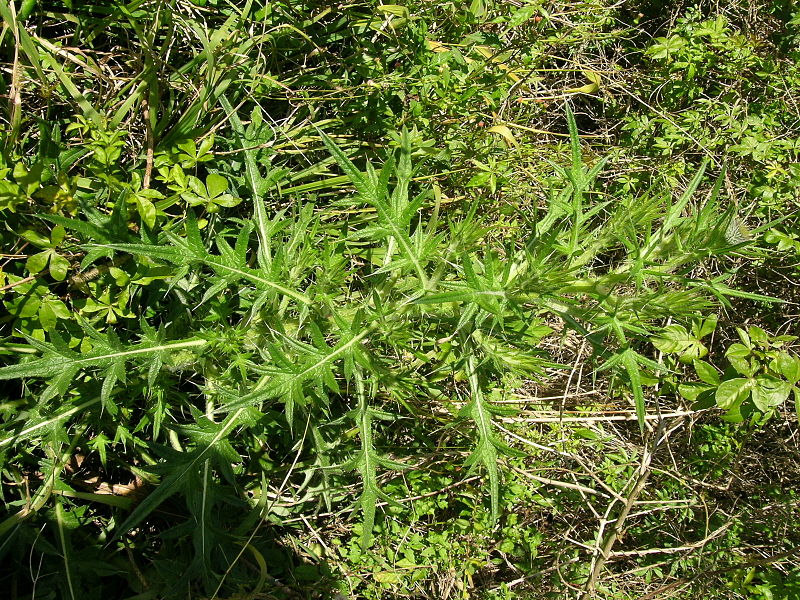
(296, 328)
(283, 283)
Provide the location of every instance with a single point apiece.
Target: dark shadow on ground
(67, 551)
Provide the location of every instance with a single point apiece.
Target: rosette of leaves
(212, 194)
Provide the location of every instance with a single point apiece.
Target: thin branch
(619, 525)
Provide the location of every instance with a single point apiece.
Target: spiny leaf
(175, 480)
(394, 212)
(286, 377)
(43, 423)
(222, 265)
(254, 180)
(367, 461)
(461, 293)
(629, 361)
(485, 452)
(57, 360)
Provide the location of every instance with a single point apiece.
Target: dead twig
(25, 280)
(81, 279)
(150, 141)
(619, 525)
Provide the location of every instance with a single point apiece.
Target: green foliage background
(436, 299)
